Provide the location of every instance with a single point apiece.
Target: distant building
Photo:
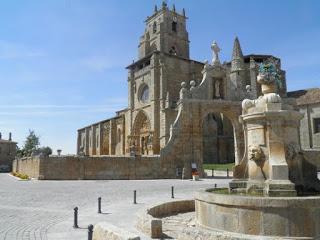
(8, 150)
(308, 102)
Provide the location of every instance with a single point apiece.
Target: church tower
(165, 32)
(154, 80)
(237, 71)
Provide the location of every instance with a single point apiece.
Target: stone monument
(274, 193)
(270, 164)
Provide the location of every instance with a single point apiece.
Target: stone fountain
(274, 191)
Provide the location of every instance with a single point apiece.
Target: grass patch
(20, 175)
(219, 166)
(226, 191)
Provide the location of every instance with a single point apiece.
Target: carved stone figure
(256, 154)
(183, 91)
(192, 84)
(215, 48)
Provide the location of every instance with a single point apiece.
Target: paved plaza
(44, 209)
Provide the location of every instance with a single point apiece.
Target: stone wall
(90, 168)
(7, 154)
(29, 166)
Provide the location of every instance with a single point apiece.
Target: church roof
(6, 141)
(306, 96)
(147, 58)
(257, 57)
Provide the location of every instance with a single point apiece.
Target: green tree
(31, 144)
(46, 151)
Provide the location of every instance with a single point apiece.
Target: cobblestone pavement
(43, 210)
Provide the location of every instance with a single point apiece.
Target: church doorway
(142, 134)
(218, 139)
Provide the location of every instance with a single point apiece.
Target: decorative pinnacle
(164, 4)
(237, 52)
(174, 7)
(215, 48)
(183, 12)
(156, 8)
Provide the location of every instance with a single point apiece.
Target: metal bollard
(227, 172)
(172, 192)
(99, 204)
(212, 170)
(90, 231)
(134, 197)
(215, 185)
(75, 219)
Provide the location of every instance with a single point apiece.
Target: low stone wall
(106, 231)
(149, 219)
(260, 217)
(28, 166)
(90, 168)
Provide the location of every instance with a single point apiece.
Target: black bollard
(99, 204)
(227, 172)
(90, 231)
(75, 219)
(212, 170)
(134, 197)
(172, 192)
(215, 185)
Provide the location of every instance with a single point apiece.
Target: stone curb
(107, 231)
(149, 219)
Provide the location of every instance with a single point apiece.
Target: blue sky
(62, 62)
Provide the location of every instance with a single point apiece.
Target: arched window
(174, 26)
(173, 50)
(154, 27)
(119, 135)
(144, 94)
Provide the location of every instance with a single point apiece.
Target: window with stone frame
(174, 26)
(173, 50)
(144, 94)
(316, 125)
(154, 28)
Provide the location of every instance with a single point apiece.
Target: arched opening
(173, 50)
(142, 134)
(174, 26)
(154, 27)
(143, 93)
(218, 139)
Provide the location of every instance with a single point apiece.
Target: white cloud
(18, 51)
(99, 63)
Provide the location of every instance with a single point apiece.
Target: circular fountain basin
(263, 217)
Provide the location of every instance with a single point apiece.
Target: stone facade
(154, 82)
(8, 150)
(308, 102)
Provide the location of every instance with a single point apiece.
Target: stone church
(154, 88)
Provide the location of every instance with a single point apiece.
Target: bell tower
(165, 32)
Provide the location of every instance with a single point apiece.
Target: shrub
(20, 175)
